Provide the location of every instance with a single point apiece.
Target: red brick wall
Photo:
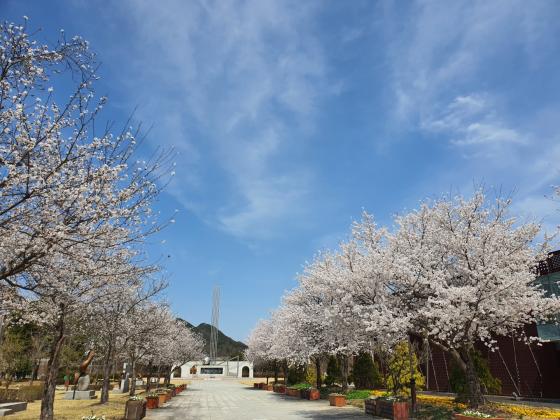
(533, 371)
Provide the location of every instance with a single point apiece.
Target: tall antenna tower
(215, 324)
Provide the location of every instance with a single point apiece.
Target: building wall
(530, 371)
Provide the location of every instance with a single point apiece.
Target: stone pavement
(228, 399)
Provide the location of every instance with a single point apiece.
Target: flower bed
(472, 414)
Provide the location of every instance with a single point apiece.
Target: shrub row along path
(228, 399)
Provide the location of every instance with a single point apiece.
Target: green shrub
(302, 385)
(334, 373)
(296, 374)
(458, 380)
(358, 394)
(365, 374)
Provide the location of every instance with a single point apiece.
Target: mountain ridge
(227, 346)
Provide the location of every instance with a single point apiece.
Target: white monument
(211, 366)
(217, 369)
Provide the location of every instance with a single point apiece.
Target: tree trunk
(158, 375)
(107, 364)
(475, 397)
(285, 372)
(344, 369)
(318, 371)
(275, 372)
(167, 378)
(412, 378)
(47, 400)
(132, 388)
(148, 377)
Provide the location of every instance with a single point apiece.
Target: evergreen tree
(365, 373)
(334, 373)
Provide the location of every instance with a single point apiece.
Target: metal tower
(215, 322)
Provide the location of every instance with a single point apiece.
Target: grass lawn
(75, 409)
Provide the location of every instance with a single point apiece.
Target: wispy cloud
(472, 120)
(465, 72)
(237, 81)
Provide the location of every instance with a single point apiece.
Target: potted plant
(280, 388)
(152, 401)
(135, 408)
(173, 389)
(162, 395)
(473, 414)
(369, 405)
(293, 392)
(312, 394)
(337, 400)
(392, 407)
(269, 387)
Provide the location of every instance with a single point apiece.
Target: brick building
(529, 371)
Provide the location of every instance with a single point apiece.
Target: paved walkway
(228, 399)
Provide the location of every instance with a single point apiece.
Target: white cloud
(239, 82)
(460, 73)
(472, 120)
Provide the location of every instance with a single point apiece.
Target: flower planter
(269, 387)
(369, 406)
(293, 392)
(169, 394)
(280, 388)
(135, 410)
(152, 402)
(162, 399)
(397, 410)
(337, 400)
(463, 417)
(256, 385)
(313, 394)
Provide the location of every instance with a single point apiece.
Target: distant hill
(227, 347)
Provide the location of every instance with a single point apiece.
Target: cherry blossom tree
(463, 272)
(63, 182)
(179, 345)
(341, 306)
(114, 320)
(74, 206)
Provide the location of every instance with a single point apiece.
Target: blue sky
(291, 117)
